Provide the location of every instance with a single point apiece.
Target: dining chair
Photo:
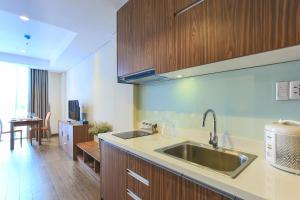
(44, 130)
(6, 132)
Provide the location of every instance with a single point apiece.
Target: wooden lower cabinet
(126, 176)
(113, 172)
(193, 191)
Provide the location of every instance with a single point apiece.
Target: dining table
(32, 122)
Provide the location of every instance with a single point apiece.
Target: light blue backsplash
(238, 97)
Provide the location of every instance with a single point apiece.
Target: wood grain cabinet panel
(113, 172)
(136, 30)
(142, 169)
(144, 28)
(151, 35)
(170, 185)
(124, 40)
(194, 191)
(218, 30)
(123, 174)
(145, 35)
(163, 185)
(165, 58)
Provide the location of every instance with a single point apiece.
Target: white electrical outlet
(282, 91)
(295, 90)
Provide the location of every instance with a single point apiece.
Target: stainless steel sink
(225, 161)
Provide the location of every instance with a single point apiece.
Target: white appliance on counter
(282, 145)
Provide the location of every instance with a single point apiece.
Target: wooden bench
(88, 155)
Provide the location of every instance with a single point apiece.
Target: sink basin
(225, 161)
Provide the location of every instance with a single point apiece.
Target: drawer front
(138, 185)
(139, 166)
(138, 178)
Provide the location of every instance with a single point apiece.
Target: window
(14, 92)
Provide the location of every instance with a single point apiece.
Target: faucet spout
(213, 137)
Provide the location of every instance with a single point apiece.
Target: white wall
(94, 83)
(55, 97)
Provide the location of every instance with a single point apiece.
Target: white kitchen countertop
(258, 181)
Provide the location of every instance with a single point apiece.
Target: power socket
(295, 90)
(282, 91)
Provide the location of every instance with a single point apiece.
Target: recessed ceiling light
(23, 51)
(179, 76)
(24, 18)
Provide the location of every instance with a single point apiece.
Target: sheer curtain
(14, 83)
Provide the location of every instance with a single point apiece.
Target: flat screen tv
(74, 110)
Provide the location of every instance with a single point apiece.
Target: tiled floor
(42, 173)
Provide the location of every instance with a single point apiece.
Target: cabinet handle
(68, 137)
(132, 195)
(137, 177)
(188, 7)
(62, 133)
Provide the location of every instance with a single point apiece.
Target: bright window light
(14, 81)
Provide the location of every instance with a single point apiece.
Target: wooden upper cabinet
(151, 35)
(124, 39)
(145, 30)
(165, 58)
(217, 30)
(136, 30)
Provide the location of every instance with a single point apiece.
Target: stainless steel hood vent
(142, 77)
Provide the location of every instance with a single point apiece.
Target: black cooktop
(131, 134)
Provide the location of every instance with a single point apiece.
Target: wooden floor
(43, 173)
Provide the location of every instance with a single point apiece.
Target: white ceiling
(63, 32)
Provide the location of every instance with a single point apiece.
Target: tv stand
(71, 134)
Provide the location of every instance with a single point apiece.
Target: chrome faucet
(213, 140)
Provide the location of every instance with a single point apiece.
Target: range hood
(142, 77)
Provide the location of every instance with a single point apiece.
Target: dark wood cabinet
(143, 35)
(139, 180)
(194, 191)
(218, 30)
(150, 34)
(165, 58)
(71, 134)
(113, 172)
(136, 36)
(124, 40)
(169, 185)
(126, 176)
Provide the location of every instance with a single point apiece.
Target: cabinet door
(170, 185)
(217, 30)
(165, 58)
(124, 40)
(136, 36)
(193, 191)
(113, 172)
(143, 34)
